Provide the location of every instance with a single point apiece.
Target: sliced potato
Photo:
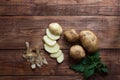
(48, 41)
(60, 58)
(52, 49)
(51, 36)
(55, 55)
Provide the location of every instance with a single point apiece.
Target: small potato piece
(60, 58)
(48, 41)
(33, 66)
(55, 55)
(51, 36)
(52, 49)
(89, 40)
(77, 52)
(71, 35)
(55, 28)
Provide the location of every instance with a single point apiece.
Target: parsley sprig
(90, 65)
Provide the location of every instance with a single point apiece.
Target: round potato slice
(60, 58)
(48, 41)
(55, 55)
(52, 49)
(51, 36)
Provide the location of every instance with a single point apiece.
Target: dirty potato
(89, 41)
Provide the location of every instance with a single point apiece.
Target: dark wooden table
(26, 20)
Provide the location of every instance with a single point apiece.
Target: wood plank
(41, 78)
(14, 31)
(117, 77)
(12, 63)
(59, 8)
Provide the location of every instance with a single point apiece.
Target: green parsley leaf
(104, 70)
(96, 54)
(78, 68)
(84, 61)
(90, 65)
(88, 73)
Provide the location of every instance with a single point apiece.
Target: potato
(71, 35)
(55, 55)
(55, 28)
(52, 49)
(89, 40)
(33, 66)
(77, 52)
(51, 36)
(60, 58)
(48, 41)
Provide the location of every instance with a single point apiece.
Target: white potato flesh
(52, 49)
(55, 55)
(48, 41)
(60, 58)
(33, 66)
(51, 36)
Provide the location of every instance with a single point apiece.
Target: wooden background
(26, 20)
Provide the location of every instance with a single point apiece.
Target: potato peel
(35, 58)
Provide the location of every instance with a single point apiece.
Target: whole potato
(89, 40)
(71, 35)
(77, 52)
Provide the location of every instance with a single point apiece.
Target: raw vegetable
(89, 41)
(52, 36)
(90, 65)
(71, 35)
(48, 41)
(77, 52)
(60, 58)
(36, 58)
(55, 28)
(55, 55)
(33, 66)
(53, 33)
(52, 49)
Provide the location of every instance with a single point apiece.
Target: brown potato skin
(77, 52)
(89, 41)
(55, 28)
(71, 35)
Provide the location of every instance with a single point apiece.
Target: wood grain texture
(26, 20)
(97, 77)
(59, 8)
(40, 78)
(12, 63)
(14, 31)
(56, 78)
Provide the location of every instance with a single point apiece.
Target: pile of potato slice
(53, 33)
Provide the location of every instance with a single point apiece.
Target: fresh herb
(90, 65)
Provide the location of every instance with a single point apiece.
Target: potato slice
(60, 58)
(55, 55)
(48, 41)
(52, 49)
(51, 36)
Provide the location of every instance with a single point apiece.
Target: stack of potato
(53, 33)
